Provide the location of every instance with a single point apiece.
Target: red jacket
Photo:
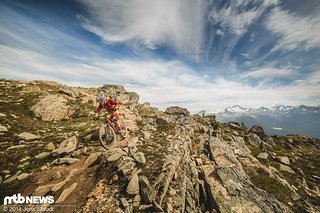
(109, 105)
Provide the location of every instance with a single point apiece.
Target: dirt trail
(71, 185)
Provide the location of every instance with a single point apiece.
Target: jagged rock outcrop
(52, 108)
(229, 185)
(176, 110)
(72, 92)
(120, 94)
(170, 162)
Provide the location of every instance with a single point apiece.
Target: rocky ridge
(171, 162)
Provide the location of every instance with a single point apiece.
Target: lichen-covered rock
(176, 110)
(52, 108)
(232, 191)
(133, 185)
(28, 136)
(147, 192)
(284, 160)
(234, 125)
(67, 161)
(139, 157)
(263, 155)
(72, 92)
(66, 146)
(254, 140)
(119, 93)
(286, 169)
(3, 129)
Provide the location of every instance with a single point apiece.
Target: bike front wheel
(107, 136)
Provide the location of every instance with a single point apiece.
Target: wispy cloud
(236, 17)
(159, 82)
(270, 73)
(178, 24)
(295, 31)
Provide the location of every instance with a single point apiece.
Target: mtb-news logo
(19, 199)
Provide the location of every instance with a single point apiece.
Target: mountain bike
(111, 130)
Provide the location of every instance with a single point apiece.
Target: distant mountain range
(278, 120)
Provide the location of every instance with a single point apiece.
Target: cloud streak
(158, 82)
(295, 31)
(178, 23)
(236, 18)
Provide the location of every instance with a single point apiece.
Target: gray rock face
(254, 140)
(133, 186)
(176, 110)
(66, 146)
(147, 192)
(52, 108)
(264, 146)
(234, 193)
(258, 130)
(28, 136)
(270, 141)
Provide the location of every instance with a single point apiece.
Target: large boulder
(258, 130)
(52, 108)
(176, 110)
(66, 146)
(72, 92)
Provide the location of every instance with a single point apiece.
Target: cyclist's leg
(117, 116)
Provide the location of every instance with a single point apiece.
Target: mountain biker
(110, 105)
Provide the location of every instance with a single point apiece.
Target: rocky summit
(171, 161)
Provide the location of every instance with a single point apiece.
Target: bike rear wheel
(107, 136)
(123, 131)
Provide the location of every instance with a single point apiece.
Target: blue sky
(196, 54)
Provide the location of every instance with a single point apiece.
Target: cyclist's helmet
(101, 98)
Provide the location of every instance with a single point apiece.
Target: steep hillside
(170, 162)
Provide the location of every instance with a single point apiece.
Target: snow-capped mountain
(277, 120)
